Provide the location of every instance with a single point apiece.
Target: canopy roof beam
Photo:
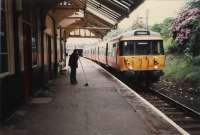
(97, 16)
(104, 13)
(89, 28)
(104, 10)
(113, 6)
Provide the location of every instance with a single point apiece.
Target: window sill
(2, 75)
(35, 66)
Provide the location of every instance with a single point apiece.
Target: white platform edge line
(181, 130)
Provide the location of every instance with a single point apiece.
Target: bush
(194, 4)
(170, 46)
(194, 44)
(196, 61)
(186, 29)
(172, 49)
(179, 69)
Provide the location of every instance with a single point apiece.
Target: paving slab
(98, 109)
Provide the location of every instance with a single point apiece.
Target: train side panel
(113, 55)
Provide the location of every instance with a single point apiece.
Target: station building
(33, 37)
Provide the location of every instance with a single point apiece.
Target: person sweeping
(73, 63)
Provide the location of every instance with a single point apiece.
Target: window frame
(3, 33)
(7, 9)
(121, 47)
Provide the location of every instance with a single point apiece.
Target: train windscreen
(141, 47)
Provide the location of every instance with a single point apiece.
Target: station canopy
(88, 18)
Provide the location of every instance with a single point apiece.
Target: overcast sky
(158, 11)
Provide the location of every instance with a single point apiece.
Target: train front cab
(142, 57)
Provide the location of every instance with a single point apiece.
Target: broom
(86, 81)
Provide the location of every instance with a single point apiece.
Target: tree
(163, 28)
(166, 26)
(194, 4)
(157, 28)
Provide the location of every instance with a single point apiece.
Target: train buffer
(101, 108)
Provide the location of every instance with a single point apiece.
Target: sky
(158, 11)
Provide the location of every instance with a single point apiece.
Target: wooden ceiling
(96, 16)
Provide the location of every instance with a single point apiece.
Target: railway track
(185, 117)
(182, 115)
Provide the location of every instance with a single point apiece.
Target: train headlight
(155, 67)
(130, 67)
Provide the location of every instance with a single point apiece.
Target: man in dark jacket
(73, 63)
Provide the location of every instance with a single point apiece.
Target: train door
(116, 52)
(27, 61)
(98, 54)
(106, 53)
(95, 54)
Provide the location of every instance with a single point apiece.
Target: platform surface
(98, 109)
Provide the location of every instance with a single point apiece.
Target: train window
(141, 47)
(3, 45)
(34, 52)
(157, 47)
(126, 48)
(149, 48)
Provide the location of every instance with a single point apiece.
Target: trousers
(73, 76)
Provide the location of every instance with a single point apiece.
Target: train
(137, 54)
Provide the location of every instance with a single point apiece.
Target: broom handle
(83, 70)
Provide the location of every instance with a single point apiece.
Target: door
(107, 53)
(98, 55)
(27, 61)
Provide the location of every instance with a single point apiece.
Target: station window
(3, 45)
(34, 52)
(34, 40)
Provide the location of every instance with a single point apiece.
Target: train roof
(139, 35)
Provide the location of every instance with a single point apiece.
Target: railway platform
(104, 107)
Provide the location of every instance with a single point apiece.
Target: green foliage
(170, 46)
(166, 25)
(163, 28)
(194, 44)
(157, 28)
(179, 69)
(194, 3)
(196, 61)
